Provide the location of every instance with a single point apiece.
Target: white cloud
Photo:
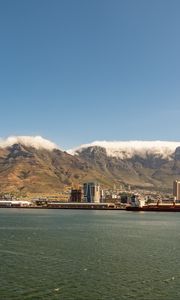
(33, 141)
(121, 149)
(128, 149)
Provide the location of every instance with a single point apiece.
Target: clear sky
(75, 71)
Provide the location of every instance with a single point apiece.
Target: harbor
(60, 205)
(91, 197)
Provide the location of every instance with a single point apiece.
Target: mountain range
(36, 165)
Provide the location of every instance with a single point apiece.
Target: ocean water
(94, 255)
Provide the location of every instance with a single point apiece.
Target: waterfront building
(15, 203)
(102, 196)
(76, 195)
(176, 190)
(92, 192)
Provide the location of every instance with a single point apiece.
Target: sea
(93, 255)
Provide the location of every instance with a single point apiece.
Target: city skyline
(79, 71)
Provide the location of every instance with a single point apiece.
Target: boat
(163, 208)
(159, 206)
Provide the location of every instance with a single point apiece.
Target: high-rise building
(176, 190)
(76, 195)
(92, 192)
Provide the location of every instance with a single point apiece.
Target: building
(92, 192)
(76, 195)
(15, 203)
(176, 190)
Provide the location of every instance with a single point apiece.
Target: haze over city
(78, 71)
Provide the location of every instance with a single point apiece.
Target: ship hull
(162, 208)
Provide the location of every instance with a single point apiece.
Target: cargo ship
(159, 207)
(163, 208)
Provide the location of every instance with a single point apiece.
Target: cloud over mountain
(36, 142)
(128, 149)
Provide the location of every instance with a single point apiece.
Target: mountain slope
(26, 169)
(143, 164)
(33, 164)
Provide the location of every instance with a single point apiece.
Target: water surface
(94, 255)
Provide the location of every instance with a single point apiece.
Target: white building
(176, 190)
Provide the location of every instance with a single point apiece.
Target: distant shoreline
(74, 208)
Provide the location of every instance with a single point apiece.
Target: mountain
(151, 165)
(35, 165)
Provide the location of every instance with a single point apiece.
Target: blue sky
(75, 71)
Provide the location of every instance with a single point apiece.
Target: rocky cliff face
(27, 169)
(149, 171)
